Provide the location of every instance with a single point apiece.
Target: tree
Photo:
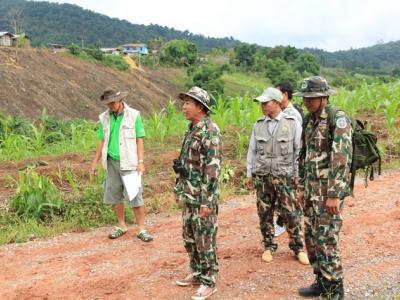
(307, 63)
(290, 54)
(208, 77)
(244, 56)
(179, 52)
(154, 49)
(395, 72)
(17, 19)
(279, 70)
(276, 52)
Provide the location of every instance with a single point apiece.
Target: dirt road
(90, 266)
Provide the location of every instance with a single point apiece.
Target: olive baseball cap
(270, 94)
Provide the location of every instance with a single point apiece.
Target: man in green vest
(121, 151)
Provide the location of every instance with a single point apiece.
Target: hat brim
(264, 100)
(119, 97)
(182, 97)
(315, 94)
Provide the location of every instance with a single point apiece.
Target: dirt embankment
(90, 266)
(68, 87)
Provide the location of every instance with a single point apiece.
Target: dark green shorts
(114, 190)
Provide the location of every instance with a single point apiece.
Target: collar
(277, 118)
(200, 124)
(121, 113)
(323, 115)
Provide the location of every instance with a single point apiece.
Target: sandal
(145, 236)
(117, 232)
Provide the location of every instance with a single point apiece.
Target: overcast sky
(327, 24)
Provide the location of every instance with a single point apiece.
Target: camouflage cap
(198, 94)
(270, 94)
(111, 95)
(315, 86)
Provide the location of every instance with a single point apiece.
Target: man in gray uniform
(272, 167)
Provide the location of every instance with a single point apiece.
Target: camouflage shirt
(325, 160)
(201, 157)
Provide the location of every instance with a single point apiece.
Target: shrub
(74, 49)
(37, 197)
(116, 62)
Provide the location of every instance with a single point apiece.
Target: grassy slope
(241, 83)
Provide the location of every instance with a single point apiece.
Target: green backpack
(365, 150)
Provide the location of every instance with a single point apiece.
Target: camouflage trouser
(322, 233)
(199, 238)
(269, 189)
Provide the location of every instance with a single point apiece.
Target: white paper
(132, 183)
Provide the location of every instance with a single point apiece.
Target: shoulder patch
(341, 123)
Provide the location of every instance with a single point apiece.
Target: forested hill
(48, 23)
(381, 57)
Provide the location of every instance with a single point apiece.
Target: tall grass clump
(36, 197)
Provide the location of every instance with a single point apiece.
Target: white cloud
(331, 25)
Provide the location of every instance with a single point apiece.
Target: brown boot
(204, 292)
(303, 258)
(267, 256)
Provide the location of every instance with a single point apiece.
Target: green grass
(238, 84)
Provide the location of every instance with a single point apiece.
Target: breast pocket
(129, 132)
(321, 140)
(285, 145)
(261, 145)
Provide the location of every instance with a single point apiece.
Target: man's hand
(141, 168)
(332, 206)
(93, 170)
(249, 184)
(205, 211)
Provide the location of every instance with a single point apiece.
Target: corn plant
(36, 197)
(241, 143)
(220, 113)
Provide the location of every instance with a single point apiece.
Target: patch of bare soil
(90, 266)
(69, 87)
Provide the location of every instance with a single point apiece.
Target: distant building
(6, 39)
(57, 47)
(135, 48)
(114, 51)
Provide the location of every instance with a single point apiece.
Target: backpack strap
(306, 120)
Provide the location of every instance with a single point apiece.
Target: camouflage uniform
(200, 186)
(268, 189)
(324, 172)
